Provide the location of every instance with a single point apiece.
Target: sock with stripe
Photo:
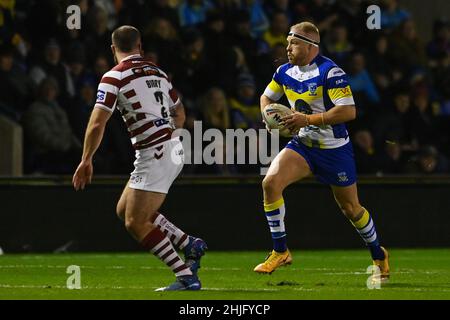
(366, 228)
(178, 238)
(275, 218)
(158, 244)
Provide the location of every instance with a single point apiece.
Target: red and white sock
(160, 246)
(176, 235)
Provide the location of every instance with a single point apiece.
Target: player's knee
(350, 210)
(131, 225)
(271, 185)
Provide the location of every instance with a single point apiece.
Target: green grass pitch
(337, 274)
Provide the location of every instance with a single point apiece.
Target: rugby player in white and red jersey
(151, 109)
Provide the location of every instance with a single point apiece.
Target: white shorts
(155, 169)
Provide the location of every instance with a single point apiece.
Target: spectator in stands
(392, 15)
(162, 35)
(323, 13)
(279, 27)
(223, 57)
(194, 74)
(337, 44)
(55, 148)
(268, 64)
(99, 38)
(272, 7)
(193, 12)
(364, 90)
(396, 122)
(52, 66)
(245, 108)
(440, 44)
(407, 49)
(215, 109)
(80, 109)
(423, 117)
(428, 161)
(379, 64)
(16, 88)
(258, 19)
(161, 9)
(392, 161)
(101, 66)
(242, 38)
(367, 158)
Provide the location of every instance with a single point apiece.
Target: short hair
(307, 27)
(126, 38)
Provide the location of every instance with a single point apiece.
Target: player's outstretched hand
(83, 175)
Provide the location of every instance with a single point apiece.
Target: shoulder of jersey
(326, 65)
(284, 67)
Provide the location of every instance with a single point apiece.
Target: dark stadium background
(220, 56)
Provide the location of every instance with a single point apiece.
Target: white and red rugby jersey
(144, 95)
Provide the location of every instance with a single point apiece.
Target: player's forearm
(264, 101)
(92, 140)
(336, 115)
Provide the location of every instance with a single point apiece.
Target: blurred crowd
(220, 55)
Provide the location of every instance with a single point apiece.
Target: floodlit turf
(416, 274)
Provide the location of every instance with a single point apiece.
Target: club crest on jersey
(101, 96)
(342, 176)
(312, 87)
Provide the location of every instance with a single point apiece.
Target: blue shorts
(330, 166)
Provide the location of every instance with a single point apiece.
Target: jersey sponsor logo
(345, 91)
(342, 176)
(160, 122)
(147, 71)
(101, 96)
(339, 81)
(312, 87)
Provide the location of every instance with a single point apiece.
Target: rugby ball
(273, 113)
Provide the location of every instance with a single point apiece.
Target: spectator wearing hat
(245, 110)
(428, 161)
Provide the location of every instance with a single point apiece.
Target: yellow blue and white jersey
(314, 88)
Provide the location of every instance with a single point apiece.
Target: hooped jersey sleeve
(108, 91)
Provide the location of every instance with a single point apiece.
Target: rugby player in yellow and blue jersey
(318, 90)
